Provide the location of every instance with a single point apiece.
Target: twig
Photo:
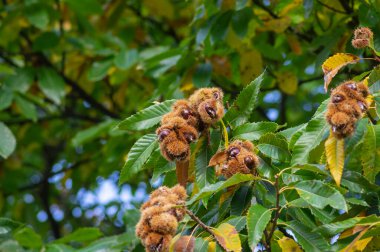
(373, 121)
(277, 212)
(200, 223)
(330, 7)
(262, 6)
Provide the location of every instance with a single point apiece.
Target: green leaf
(126, 58)
(45, 41)
(204, 174)
(27, 108)
(202, 75)
(21, 80)
(6, 97)
(374, 76)
(219, 29)
(51, 84)
(313, 135)
(258, 218)
(89, 134)
(158, 164)
(59, 248)
(253, 131)
(147, 117)
(326, 215)
(289, 132)
(37, 15)
(81, 235)
(320, 169)
(240, 21)
(11, 245)
(371, 152)
(8, 225)
(137, 156)
(85, 7)
(99, 70)
(319, 195)
(332, 229)
(240, 200)
(275, 147)
(303, 216)
(244, 104)
(309, 240)
(28, 238)
(214, 188)
(7, 142)
(238, 222)
(114, 243)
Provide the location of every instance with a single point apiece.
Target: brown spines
(175, 137)
(184, 244)
(155, 242)
(208, 102)
(183, 109)
(237, 158)
(362, 37)
(347, 105)
(160, 216)
(180, 127)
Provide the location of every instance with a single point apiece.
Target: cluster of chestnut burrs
(347, 105)
(187, 119)
(239, 157)
(160, 216)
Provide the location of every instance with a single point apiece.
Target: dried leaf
(218, 158)
(332, 65)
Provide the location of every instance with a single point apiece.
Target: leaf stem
(276, 214)
(225, 134)
(204, 226)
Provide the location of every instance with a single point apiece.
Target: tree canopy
(84, 85)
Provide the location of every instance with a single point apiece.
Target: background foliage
(70, 71)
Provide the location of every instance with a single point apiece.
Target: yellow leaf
(251, 65)
(211, 247)
(278, 25)
(161, 8)
(228, 194)
(173, 241)
(287, 82)
(335, 157)
(294, 5)
(288, 244)
(228, 5)
(357, 244)
(332, 65)
(227, 237)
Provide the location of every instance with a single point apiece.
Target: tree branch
(330, 7)
(52, 174)
(200, 223)
(74, 85)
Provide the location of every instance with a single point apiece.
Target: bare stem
(276, 214)
(200, 223)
